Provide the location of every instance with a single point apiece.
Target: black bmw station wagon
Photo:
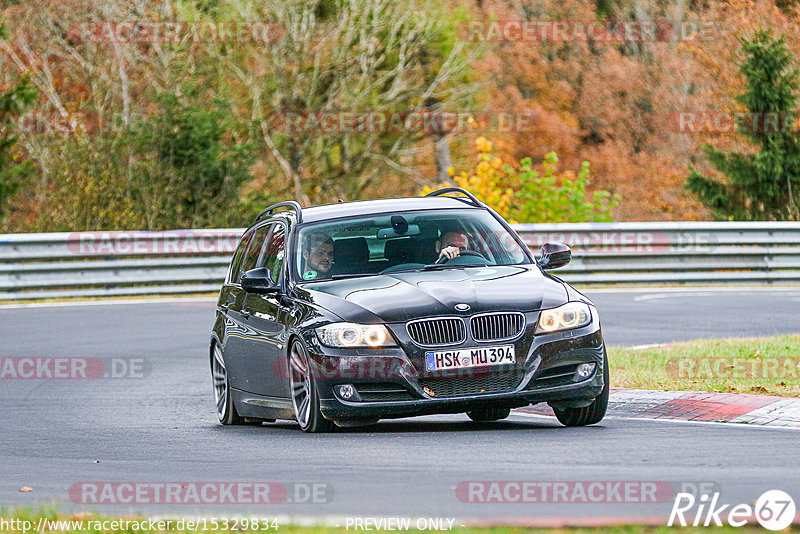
(344, 314)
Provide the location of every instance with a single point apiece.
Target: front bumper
(395, 384)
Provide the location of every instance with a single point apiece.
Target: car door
(230, 305)
(265, 317)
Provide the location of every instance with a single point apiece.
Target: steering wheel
(445, 259)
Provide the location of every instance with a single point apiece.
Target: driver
(317, 255)
(451, 244)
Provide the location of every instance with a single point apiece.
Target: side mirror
(259, 281)
(554, 255)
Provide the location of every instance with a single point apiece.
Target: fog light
(347, 392)
(584, 371)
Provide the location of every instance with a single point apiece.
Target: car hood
(399, 297)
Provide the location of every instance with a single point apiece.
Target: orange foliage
(611, 104)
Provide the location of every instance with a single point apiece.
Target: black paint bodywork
(255, 331)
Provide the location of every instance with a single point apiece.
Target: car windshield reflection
(401, 242)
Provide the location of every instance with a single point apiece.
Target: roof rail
(288, 204)
(444, 191)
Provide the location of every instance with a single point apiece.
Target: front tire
(588, 415)
(226, 411)
(305, 397)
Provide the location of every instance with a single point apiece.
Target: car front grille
(473, 385)
(497, 326)
(437, 331)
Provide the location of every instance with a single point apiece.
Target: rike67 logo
(774, 510)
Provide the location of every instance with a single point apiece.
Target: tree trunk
(441, 146)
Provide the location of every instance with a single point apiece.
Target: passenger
(317, 255)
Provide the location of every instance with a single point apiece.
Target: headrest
(399, 250)
(426, 250)
(351, 250)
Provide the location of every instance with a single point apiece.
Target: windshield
(404, 241)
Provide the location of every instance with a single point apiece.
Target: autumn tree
(606, 102)
(340, 56)
(12, 173)
(602, 101)
(187, 168)
(761, 185)
(528, 193)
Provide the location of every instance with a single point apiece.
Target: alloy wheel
(300, 381)
(219, 376)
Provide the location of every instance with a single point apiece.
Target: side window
(273, 251)
(235, 274)
(256, 246)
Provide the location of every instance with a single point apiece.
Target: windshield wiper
(412, 270)
(442, 266)
(355, 275)
(431, 267)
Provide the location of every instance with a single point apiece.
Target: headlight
(570, 315)
(355, 335)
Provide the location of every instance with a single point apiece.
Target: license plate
(467, 358)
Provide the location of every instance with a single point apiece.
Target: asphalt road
(653, 316)
(161, 427)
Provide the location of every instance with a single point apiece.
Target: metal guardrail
(674, 252)
(88, 264)
(93, 264)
